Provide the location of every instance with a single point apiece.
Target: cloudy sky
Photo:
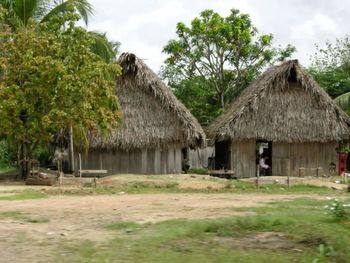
(145, 26)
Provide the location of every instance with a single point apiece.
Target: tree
(330, 66)
(219, 56)
(50, 80)
(20, 12)
(343, 101)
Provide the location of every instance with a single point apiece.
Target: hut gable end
(152, 115)
(284, 104)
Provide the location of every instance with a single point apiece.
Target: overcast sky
(145, 26)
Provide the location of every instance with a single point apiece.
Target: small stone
(50, 233)
(297, 250)
(64, 234)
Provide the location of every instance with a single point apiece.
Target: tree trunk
(25, 161)
(222, 99)
(71, 150)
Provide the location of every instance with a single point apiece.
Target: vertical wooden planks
(243, 158)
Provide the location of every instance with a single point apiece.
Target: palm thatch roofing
(284, 104)
(152, 115)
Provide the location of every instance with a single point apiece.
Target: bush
(200, 170)
(338, 209)
(7, 157)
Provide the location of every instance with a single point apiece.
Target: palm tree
(19, 13)
(343, 101)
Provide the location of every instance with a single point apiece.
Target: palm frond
(343, 101)
(25, 9)
(105, 49)
(83, 7)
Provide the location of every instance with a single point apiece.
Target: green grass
(303, 221)
(24, 195)
(17, 215)
(7, 169)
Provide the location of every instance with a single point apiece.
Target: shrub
(7, 157)
(338, 209)
(200, 170)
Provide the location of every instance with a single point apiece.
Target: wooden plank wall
(286, 158)
(302, 155)
(198, 158)
(135, 162)
(243, 159)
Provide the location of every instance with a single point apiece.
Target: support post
(257, 177)
(80, 165)
(71, 150)
(288, 173)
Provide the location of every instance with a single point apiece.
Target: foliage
(198, 171)
(338, 209)
(214, 58)
(343, 101)
(50, 80)
(331, 69)
(21, 12)
(7, 158)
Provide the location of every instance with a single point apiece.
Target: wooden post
(71, 150)
(288, 173)
(80, 165)
(257, 177)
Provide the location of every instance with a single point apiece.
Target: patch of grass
(198, 171)
(38, 219)
(302, 221)
(24, 195)
(17, 215)
(7, 169)
(123, 225)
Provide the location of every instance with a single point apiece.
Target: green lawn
(24, 195)
(309, 235)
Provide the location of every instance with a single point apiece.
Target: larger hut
(155, 128)
(287, 118)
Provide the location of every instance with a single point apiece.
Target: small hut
(285, 116)
(155, 126)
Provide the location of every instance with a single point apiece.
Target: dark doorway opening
(223, 155)
(264, 157)
(185, 160)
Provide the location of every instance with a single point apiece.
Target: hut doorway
(223, 155)
(264, 157)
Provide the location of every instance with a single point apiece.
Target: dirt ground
(73, 218)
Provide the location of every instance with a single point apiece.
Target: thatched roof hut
(290, 112)
(152, 116)
(285, 104)
(155, 125)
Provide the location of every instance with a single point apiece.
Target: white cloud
(144, 27)
(319, 24)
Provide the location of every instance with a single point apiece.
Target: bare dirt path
(73, 218)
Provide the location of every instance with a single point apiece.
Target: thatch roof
(152, 115)
(284, 104)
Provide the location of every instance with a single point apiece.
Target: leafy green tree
(330, 66)
(20, 12)
(217, 57)
(50, 80)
